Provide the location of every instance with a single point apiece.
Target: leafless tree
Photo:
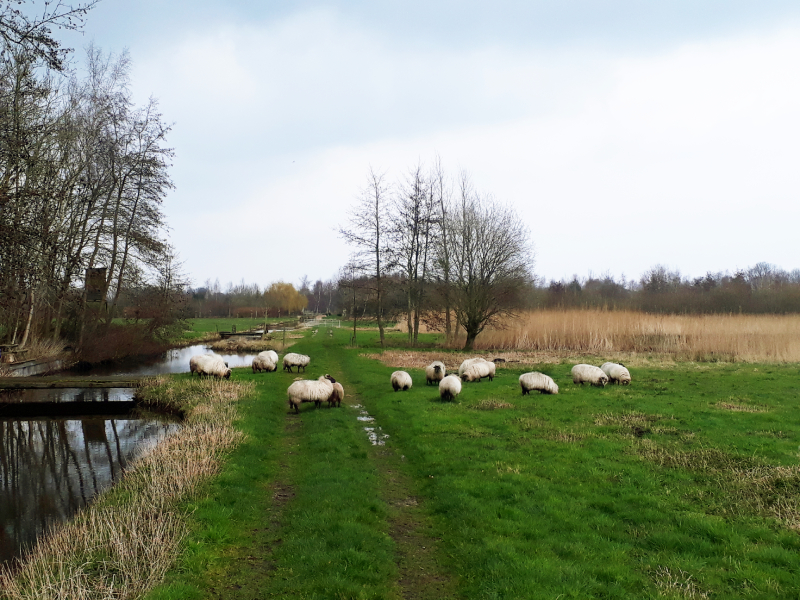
(366, 233)
(491, 260)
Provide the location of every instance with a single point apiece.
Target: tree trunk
(28, 324)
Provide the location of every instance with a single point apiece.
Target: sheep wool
(616, 373)
(435, 372)
(209, 364)
(449, 387)
(467, 363)
(337, 396)
(535, 381)
(263, 363)
(479, 370)
(589, 374)
(309, 390)
(401, 381)
(270, 354)
(295, 360)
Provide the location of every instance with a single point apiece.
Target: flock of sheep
(327, 389)
(476, 369)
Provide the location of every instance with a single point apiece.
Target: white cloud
(617, 162)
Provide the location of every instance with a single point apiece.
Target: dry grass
(754, 487)
(492, 404)
(746, 338)
(733, 404)
(121, 546)
(677, 583)
(247, 345)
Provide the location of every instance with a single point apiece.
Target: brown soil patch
(419, 359)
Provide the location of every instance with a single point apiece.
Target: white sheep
(616, 373)
(435, 372)
(295, 360)
(478, 370)
(309, 390)
(209, 364)
(263, 363)
(536, 381)
(270, 354)
(337, 395)
(401, 381)
(467, 363)
(589, 374)
(449, 387)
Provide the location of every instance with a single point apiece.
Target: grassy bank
(121, 545)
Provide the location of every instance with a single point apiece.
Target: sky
(626, 134)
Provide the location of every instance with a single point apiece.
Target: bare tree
(366, 233)
(491, 261)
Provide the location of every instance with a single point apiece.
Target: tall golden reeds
(746, 338)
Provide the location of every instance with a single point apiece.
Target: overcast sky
(625, 133)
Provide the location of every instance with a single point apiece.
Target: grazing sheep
(449, 387)
(263, 363)
(589, 374)
(270, 354)
(616, 373)
(209, 364)
(467, 363)
(295, 360)
(338, 392)
(435, 372)
(479, 370)
(401, 381)
(534, 381)
(309, 390)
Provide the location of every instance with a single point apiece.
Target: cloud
(616, 160)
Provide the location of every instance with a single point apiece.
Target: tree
(368, 222)
(32, 35)
(491, 260)
(283, 297)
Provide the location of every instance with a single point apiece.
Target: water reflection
(175, 360)
(68, 395)
(50, 468)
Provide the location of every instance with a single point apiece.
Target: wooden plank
(60, 382)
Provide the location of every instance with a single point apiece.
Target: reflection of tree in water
(51, 468)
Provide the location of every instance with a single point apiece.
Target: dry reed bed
(746, 338)
(122, 545)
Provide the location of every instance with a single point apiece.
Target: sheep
(435, 372)
(479, 370)
(616, 373)
(209, 364)
(449, 387)
(401, 381)
(263, 363)
(467, 363)
(271, 354)
(309, 390)
(295, 360)
(537, 381)
(338, 392)
(589, 373)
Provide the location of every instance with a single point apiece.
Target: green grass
(682, 485)
(201, 327)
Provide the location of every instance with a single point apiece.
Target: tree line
(83, 173)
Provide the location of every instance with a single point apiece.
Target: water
(375, 434)
(50, 468)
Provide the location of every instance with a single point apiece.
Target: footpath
(313, 505)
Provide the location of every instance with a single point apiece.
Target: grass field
(683, 485)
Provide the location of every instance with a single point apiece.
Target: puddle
(375, 434)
